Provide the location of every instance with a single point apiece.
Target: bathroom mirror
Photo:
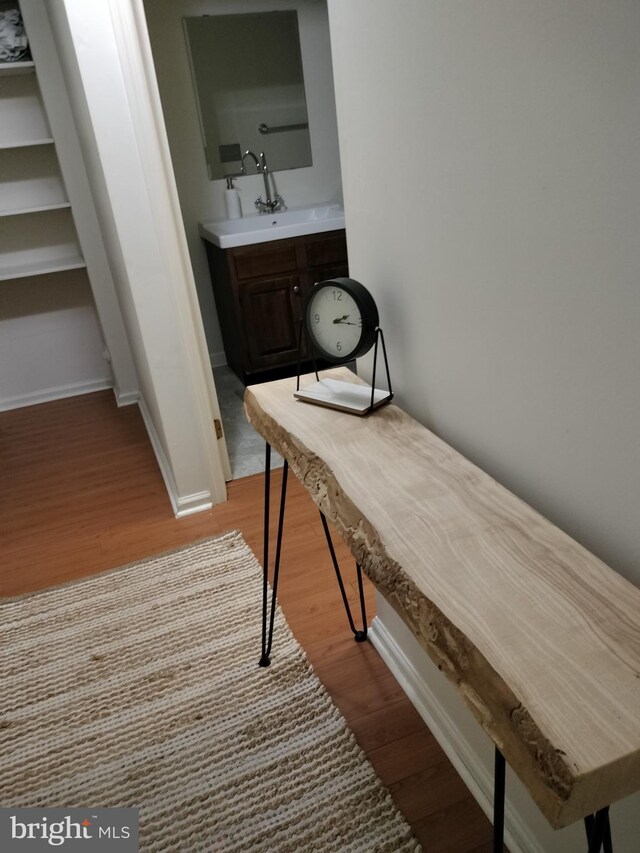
(249, 85)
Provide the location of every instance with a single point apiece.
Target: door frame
(110, 74)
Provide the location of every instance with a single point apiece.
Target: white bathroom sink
(260, 228)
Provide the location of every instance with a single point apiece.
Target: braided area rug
(140, 687)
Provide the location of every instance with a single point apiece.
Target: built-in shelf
(41, 267)
(37, 234)
(30, 180)
(23, 117)
(51, 343)
(41, 240)
(27, 67)
(37, 209)
(26, 143)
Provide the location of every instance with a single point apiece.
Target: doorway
(245, 446)
(202, 199)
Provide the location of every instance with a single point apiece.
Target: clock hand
(346, 323)
(341, 319)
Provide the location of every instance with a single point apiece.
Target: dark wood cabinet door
(323, 273)
(260, 292)
(270, 314)
(266, 259)
(326, 249)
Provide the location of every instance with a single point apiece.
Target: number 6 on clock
(340, 333)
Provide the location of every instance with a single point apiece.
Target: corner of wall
(182, 505)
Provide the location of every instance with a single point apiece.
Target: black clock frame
(371, 335)
(368, 312)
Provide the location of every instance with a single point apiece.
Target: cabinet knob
(296, 289)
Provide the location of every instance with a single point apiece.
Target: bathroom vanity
(260, 283)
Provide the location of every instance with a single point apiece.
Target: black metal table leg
(268, 614)
(598, 826)
(598, 830)
(608, 843)
(360, 636)
(498, 802)
(267, 636)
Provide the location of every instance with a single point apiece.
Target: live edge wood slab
(540, 637)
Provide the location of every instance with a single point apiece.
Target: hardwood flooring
(80, 492)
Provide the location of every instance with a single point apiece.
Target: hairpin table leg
(599, 831)
(360, 636)
(597, 826)
(267, 636)
(498, 802)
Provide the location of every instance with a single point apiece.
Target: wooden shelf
(73, 262)
(9, 68)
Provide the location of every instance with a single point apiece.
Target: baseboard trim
(187, 504)
(472, 771)
(126, 398)
(59, 393)
(191, 504)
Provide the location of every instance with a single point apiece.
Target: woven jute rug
(140, 687)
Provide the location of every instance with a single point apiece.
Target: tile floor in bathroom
(245, 446)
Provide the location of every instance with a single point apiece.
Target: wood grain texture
(81, 492)
(541, 638)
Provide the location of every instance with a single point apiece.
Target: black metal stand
(379, 339)
(389, 398)
(597, 826)
(269, 612)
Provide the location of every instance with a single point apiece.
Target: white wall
(503, 246)
(203, 200)
(50, 341)
(490, 158)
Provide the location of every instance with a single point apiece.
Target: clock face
(341, 319)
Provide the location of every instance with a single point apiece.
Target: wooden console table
(540, 637)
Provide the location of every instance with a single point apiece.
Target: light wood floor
(80, 492)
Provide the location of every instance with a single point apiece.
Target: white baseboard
(46, 395)
(217, 359)
(126, 398)
(473, 771)
(182, 505)
(193, 503)
(165, 470)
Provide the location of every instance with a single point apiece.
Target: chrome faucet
(255, 160)
(268, 205)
